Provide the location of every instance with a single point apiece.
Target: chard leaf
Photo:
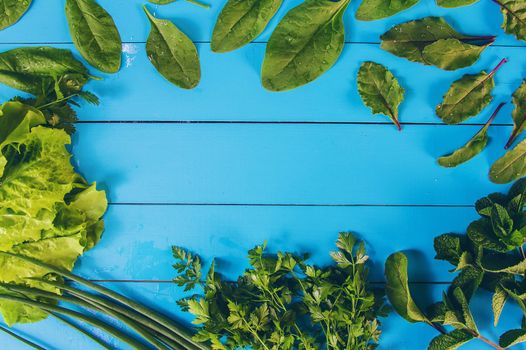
(514, 13)
(304, 45)
(451, 341)
(380, 90)
(467, 96)
(94, 34)
(497, 303)
(371, 10)
(397, 289)
(511, 166)
(474, 146)
(242, 21)
(432, 41)
(11, 11)
(455, 3)
(512, 337)
(519, 113)
(172, 53)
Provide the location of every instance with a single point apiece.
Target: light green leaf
(172, 53)
(450, 341)
(519, 113)
(514, 13)
(463, 302)
(11, 11)
(304, 45)
(380, 90)
(513, 337)
(432, 41)
(497, 303)
(511, 166)
(242, 21)
(371, 10)
(397, 289)
(455, 3)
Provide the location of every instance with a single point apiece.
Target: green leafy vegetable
(380, 90)
(172, 53)
(451, 341)
(513, 337)
(94, 34)
(306, 43)
(164, 2)
(467, 96)
(282, 302)
(472, 148)
(241, 21)
(11, 11)
(519, 113)
(432, 41)
(455, 3)
(511, 166)
(48, 211)
(514, 13)
(371, 10)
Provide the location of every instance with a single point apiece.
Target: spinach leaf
(467, 96)
(432, 41)
(472, 148)
(514, 13)
(241, 21)
(94, 34)
(306, 43)
(380, 90)
(371, 10)
(455, 3)
(511, 166)
(519, 113)
(11, 11)
(172, 53)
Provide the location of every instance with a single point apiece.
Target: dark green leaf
(519, 113)
(467, 97)
(481, 233)
(501, 221)
(432, 41)
(463, 302)
(380, 90)
(455, 3)
(397, 289)
(484, 205)
(469, 280)
(511, 166)
(513, 337)
(450, 341)
(242, 21)
(449, 247)
(11, 11)
(94, 34)
(514, 12)
(305, 44)
(497, 303)
(517, 197)
(504, 263)
(371, 10)
(172, 53)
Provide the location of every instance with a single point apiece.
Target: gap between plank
(351, 205)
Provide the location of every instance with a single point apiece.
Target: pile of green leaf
(282, 302)
(47, 210)
(490, 256)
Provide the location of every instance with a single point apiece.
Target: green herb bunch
(490, 256)
(282, 302)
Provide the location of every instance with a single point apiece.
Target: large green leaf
(451, 341)
(514, 13)
(380, 90)
(467, 96)
(304, 45)
(371, 10)
(481, 233)
(455, 3)
(94, 34)
(11, 11)
(519, 113)
(512, 337)
(172, 53)
(397, 289)
(241, 21)
(511, 166)
(432, 41)
(497, 303)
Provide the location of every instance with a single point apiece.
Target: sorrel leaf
(11, 11)
(306, 43)
(241, 21)
(94, 34)
(371, 10)
(472, 148)
(519, 113)
(172, 53)
(514, 13)
(511, 166)
(380, 90)
(455, 3)
(467, 96)
(432, 41)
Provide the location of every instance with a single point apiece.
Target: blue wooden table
(228, 165)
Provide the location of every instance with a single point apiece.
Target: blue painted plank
(45, 21)
(230, 89)
(398, 334)
(283, 164)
